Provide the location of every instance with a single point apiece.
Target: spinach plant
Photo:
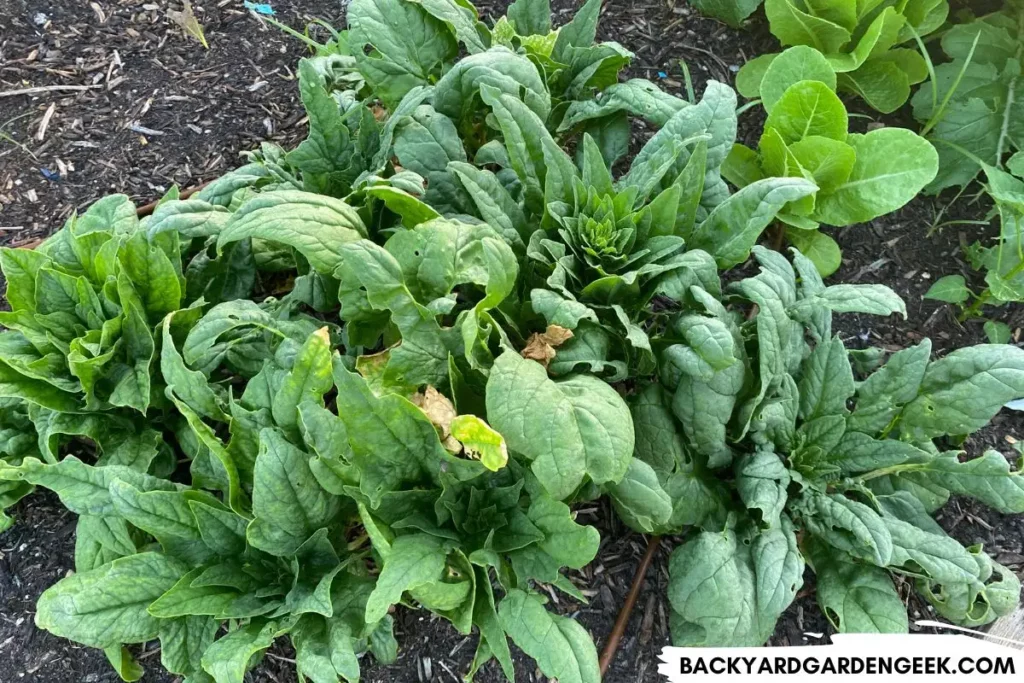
(859, 176)
(778, 457)
(866, 44)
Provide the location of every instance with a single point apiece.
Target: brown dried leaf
(440, 411)
(541, 346)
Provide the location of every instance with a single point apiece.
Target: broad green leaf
(761, 481)
(461, 18)
(393, 441)
(314, 568)
(561, 647)
(222, 530)
(822, 250)
(153, 276)
(161, 514)
(183, 642)
(713, 116)
(997, 332)
(636, 96)
(849, 526)
(123, 663)
(728, 592)
(503, 72)
(793, 26)
(114, 213)
(185, 599)
(225, 468)
(13, 384)
(640, 498)
(845, 298)
(893, 165)
(426, 141)
(229, 657)
(826, 381)
(987, 478)
(569, 429)
(830, 162)
(99, 540)
(882, 84)
(581, 31)
(409, 47)
(287, 502)
(314, 225)
(658, 442)
(530, 17)
(742, 167)
(732, 12)
(492, 636)
(856, 598)
(962, 391)
(82, 489)
(751, 75)
(106, 606)
(188, 218)
(881, 396)
(949, 288)
(189, 385)
(493, 203)
(413, 562)
(919, 553)
(525, 136)
(794, 65)
(859, 452)
(20, 268)
(309, 379)
(808, 108)
(733, 227)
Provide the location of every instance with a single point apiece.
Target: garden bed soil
(161, 110)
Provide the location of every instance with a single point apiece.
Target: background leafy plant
(858, 176)
(968, 107)
(1002, 262)
(864, 44)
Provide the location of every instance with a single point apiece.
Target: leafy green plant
(859, 176)
(1002, 262)
(778, 457)
(862, 43)
(968, 107)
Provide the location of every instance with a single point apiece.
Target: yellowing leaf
(188, 23)
(480, 441)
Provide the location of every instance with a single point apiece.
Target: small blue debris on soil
(52, 176)
(260, 7)
(662, 74)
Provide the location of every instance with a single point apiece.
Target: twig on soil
(45, 88)
(45, 122)
(627, 608)
(12, 227)
(280, 658)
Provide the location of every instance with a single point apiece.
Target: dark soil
(164, 110)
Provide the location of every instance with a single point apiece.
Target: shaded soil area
(154, 108)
